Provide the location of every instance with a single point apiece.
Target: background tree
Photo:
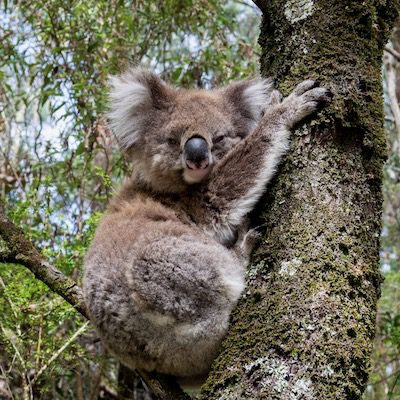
(384, 378)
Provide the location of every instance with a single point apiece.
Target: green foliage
(34, 325)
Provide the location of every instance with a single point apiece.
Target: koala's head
(174, 137)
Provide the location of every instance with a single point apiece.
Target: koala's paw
(306, 99)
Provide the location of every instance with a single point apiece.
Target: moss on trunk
(305, 326)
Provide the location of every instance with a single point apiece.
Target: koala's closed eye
(218, 139)
(174, 136)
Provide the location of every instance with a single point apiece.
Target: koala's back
(158, 289)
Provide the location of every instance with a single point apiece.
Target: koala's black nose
(196, 153)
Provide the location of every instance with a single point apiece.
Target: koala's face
(175, 137)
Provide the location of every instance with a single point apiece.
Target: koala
(167, 262)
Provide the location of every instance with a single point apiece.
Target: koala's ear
(134, 96)
(250, 98)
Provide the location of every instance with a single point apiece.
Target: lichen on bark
(305, 324)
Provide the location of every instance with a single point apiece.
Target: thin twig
(393, 52)
(24, 375)
(9, 301)
(60, 351)
(38, 347)
(4, 374)
(385, 378)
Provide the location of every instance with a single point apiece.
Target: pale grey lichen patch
(290, 267)
(272, 373)
(231, 393)
(302, 131)
(302, 387)
(297, 10)
(327, 372)
(275, 372)
(254, 270)
(302, 42)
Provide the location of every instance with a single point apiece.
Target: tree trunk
(304, 327)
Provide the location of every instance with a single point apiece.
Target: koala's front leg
(237, 183)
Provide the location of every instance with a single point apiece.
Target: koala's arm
(239, 180)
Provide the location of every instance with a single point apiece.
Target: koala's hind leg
(180, 287)
(185, 287)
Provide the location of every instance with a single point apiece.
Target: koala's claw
(305, 86)
(306, 99)
(317, 95)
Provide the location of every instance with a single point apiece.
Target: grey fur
(166, 266)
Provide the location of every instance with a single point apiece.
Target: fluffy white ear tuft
(256, 96)
(133, 97)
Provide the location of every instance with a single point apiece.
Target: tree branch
(15, 248)
(393, 52)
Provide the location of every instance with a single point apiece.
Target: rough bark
(15, 248)
(305, 325)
